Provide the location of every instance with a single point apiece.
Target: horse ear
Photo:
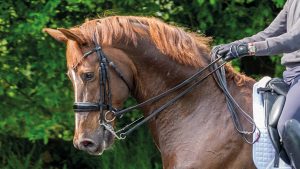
(56, 34)
(73, 34)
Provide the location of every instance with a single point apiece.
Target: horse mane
(174, 42)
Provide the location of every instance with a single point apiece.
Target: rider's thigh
(291, 109)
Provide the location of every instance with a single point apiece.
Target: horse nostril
(86, 143)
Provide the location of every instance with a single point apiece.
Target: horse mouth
(107, 141)
(99, 150)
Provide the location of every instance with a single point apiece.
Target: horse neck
(205, 104)
(156, 73)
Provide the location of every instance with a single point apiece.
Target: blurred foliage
(137, 152)
(36, 96)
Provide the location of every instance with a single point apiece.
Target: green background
(36, 119)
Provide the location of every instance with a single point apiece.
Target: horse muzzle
(94, 143)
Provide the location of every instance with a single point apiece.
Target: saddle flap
(275, 138)
(276, 111)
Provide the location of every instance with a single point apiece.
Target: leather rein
(105, 107)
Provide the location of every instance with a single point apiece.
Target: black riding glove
(239, 50)
(223, 49)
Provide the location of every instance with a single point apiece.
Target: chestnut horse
(195, 132)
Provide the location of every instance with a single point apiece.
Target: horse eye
(87, 76)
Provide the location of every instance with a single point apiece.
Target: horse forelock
(184, 47)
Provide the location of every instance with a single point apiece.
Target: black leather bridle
(104, 106)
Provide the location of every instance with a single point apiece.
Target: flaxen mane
(172, 41)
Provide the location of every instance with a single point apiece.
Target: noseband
(104, 105)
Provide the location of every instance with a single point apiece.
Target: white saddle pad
(263, 150)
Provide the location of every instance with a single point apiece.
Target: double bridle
(105, 107)
(104, 104)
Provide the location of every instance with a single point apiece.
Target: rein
(233, 106)
(105, 104)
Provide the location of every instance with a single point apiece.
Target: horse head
(85, 75)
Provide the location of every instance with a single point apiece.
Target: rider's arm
(276, 28)
(285, 43)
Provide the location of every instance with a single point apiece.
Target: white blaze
(73, 76)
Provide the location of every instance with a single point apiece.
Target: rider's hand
(239, 50)
(224, 49)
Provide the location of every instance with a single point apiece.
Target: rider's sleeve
(276, 28)
(285, 43)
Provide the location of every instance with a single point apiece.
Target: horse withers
(196, 131)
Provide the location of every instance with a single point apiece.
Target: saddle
(274, 96)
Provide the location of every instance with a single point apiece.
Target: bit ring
(109, 120)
